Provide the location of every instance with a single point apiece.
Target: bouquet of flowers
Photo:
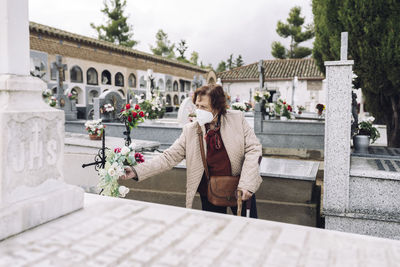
(71, 96)
(266, 95)
(239, 106)
(365, 128)
(320, 108)
(132, 114)
(107, 108)
(257, 96)
(46, 93)
(300, 109)
(95, 127)
(52, 101)
(153, 108)
(278, 106)
(287, 109)
(248, 106)
(114, 168)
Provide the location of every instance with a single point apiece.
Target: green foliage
(374, 45)
(294, 30)
(163, 46)
(278, 50)
(221, 66)
(116, 30)
(229, 62)
(239, 61)
(194, 58)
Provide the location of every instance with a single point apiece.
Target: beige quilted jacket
(241, 144)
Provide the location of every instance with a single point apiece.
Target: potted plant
(365, 134)
(95, 129)
(300, 109)
(71, 96)
(152, 108)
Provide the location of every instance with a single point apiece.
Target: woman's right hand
(129, 173)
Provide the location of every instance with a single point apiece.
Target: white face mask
(203, 116)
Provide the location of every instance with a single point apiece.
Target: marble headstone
(108, 97)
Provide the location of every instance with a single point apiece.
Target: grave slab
(111, 231)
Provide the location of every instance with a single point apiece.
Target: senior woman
(232, 149)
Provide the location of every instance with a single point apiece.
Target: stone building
(279, 76)
(95, 66)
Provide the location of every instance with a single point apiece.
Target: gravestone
(32, 190)
(108, 97)
(60, 69)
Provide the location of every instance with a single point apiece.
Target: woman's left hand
(246, 194)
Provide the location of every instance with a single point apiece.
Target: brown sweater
(217, 159)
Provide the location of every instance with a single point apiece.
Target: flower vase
(361, 144)
(95, 136)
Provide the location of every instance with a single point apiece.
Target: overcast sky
(213, 28)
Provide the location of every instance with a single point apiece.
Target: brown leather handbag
(221, 190)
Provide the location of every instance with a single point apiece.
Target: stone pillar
(32, 190)
(337, 135)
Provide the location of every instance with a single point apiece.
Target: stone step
(272, 188)
(294, 213)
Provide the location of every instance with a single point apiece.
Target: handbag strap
(203, 156)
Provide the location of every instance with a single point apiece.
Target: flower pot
(95, 137)
(283, 118)
(361, 144)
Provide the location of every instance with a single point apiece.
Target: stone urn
(361, 144)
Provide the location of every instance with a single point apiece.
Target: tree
(374, 45)
(116, 30)
(163, 45)
(194, 58)
(293, 29)
(182, 47)
(221, 66)
(239, 61)
(229, 62)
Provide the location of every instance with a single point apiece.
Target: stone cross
(261, 72)
(60, 68)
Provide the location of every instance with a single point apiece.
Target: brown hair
(216, 94)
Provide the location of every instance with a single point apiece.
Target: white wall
(304, 95)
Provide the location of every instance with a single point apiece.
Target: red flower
(289, 108)
(284, 103)
(134, 114)
(128, 106)
(139, 158)
(129, 118)
(117, 150)
(137, 107)
(141, 114)
(122, 110)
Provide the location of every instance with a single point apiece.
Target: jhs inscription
(35, 151)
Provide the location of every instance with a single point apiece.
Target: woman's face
(203, 102)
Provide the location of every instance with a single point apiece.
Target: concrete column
(337, 134)
(14, 37)
(32, 190)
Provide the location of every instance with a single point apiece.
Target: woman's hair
(216, 94)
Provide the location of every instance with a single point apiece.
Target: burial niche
(106, 77)
(76, 74)
(92, 77)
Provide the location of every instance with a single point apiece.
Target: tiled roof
(40, 28)
(278, 69)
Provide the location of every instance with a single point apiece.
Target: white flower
(132, 146)
(111, 172)
(371, 119)
(125, 150)
(123, 190)
(153, 108)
